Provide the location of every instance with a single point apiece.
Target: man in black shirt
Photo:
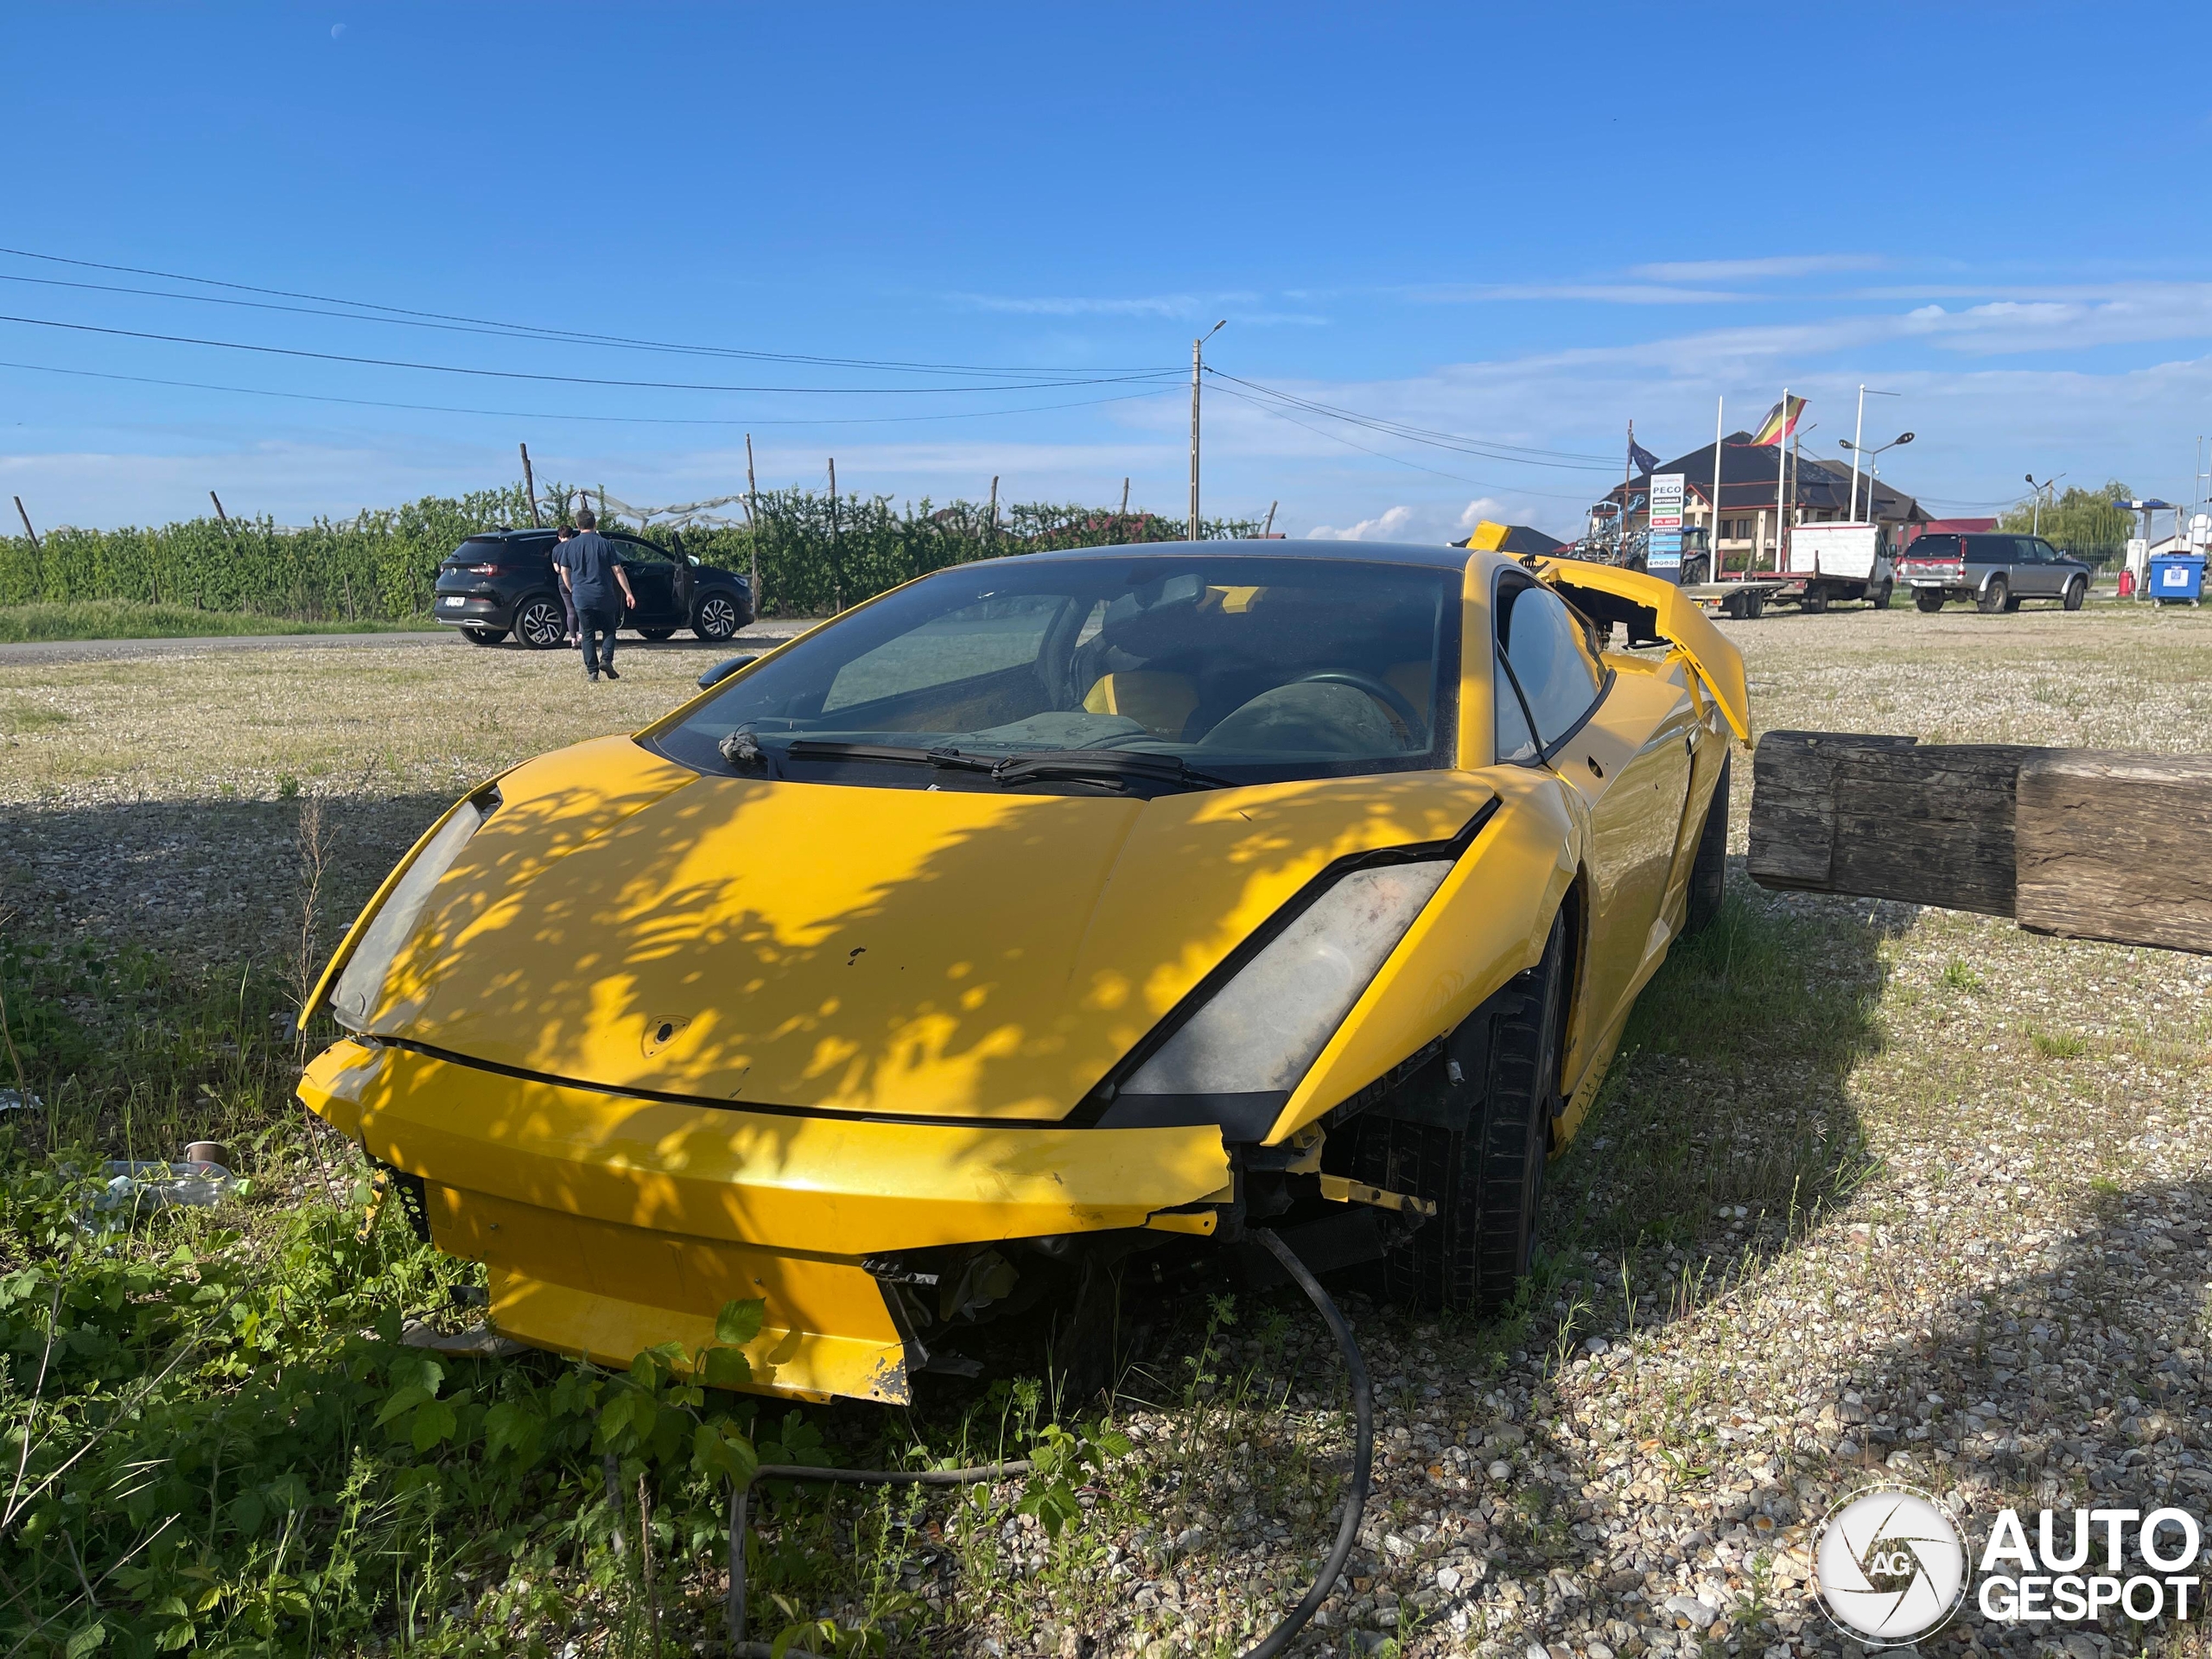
(590, 574)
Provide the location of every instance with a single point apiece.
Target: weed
(2060, 1046)
(1960, 977)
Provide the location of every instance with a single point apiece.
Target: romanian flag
(1781, 421)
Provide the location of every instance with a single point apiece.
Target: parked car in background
(1996, 572)
(502, 581)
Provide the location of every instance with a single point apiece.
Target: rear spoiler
(1656, 612)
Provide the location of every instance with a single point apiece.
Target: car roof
(1432, 555)
(508, 533)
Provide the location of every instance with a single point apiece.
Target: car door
(1621, 743)
(652, 578)
(2032, 572)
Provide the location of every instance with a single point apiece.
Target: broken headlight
(359, 989)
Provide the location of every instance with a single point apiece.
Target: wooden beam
(1793, 804)
(2078, 843)
(2112, 846)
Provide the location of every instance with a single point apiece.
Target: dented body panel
(663, 1039)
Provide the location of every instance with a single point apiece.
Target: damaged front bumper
(608, 1223)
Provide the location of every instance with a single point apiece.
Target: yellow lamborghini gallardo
(1038, 913)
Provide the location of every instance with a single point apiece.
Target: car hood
(628, 923)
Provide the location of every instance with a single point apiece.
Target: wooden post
(2111, 846)
(991, 530)
(218, 500)
(26, 518)
(836, 550)
(529, 487)
(1267, 528)
(753, 521)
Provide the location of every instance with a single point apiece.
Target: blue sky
(1523, 226)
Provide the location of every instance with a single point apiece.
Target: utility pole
(752, 520)
(1267, 528)
(529, 487)
(26, 518)
(1781, 482)
(224, 517)
(993, 531)
(1857, 433)
(1198, 366)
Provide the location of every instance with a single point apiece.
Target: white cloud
(1595, 293)
(1388, 525)
(1742, 270)
(1481, 507)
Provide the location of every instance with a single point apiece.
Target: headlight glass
(360, 987)
(1264, 1028)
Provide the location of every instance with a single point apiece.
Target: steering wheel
(1392, 702)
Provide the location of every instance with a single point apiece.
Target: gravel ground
(1925, 1198)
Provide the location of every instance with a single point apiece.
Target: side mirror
(724, 669)
(692, 559)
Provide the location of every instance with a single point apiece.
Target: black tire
(1883, 595)
(1998, 596)
(484, 636)
(717, 616)
(1709, 870)
(2076, 591)
(1927, 601)
(1484, 1165)
(1696, 572)
(1815, 602)
(541, 624)
(1754, 606)
(656, 634)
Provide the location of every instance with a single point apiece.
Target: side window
(640, 552)
(1990, 549)
(1549, 657)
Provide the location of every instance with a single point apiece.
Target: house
(1820, 493)
(1489, 537)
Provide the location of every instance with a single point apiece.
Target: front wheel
(1709, 871)
(716, 618)
(1928, 600)
(1484, 1165)
(1998, 596)
(1882, 596)
(2076, 591)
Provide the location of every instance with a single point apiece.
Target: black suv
(502, 582)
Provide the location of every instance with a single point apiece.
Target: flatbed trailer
(1747, 598)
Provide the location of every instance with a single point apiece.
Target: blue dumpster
(2175, 577)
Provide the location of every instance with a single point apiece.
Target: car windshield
(1129, 672)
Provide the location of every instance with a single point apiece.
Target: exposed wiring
(575, 379)
(1268, 1646)
(526, 330)
(617, 420)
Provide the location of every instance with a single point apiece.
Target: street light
(1871, 455)
(1197, 347)
(1857, 434)
(2037, 521)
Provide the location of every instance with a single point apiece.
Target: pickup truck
(1996, 572)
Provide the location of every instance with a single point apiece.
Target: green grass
(111, 619)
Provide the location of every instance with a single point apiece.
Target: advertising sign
(1663, 547)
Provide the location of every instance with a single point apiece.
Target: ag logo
(1892, 1566)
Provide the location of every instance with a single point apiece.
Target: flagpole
(1712, 566)
(1781, 476)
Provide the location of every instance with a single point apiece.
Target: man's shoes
(592, 676)
(609, 671)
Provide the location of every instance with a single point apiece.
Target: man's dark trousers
(593, 620)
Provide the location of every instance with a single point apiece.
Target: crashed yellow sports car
(1038, 913)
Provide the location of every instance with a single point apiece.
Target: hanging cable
(575, 379)
(1487, 448)
(1285, 1629)
(512, 330)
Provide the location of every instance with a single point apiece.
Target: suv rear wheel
(485, 636)
(1998, 596)
(541, 624)
(716, 618)
(1484, 1169)
(1929, 600)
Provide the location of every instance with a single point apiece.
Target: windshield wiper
(811, 748)
(1107, 766)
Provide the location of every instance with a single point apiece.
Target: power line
(613, 419)
(577, 379)
(1487, 448)
(512, 330)
(1338, 438)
